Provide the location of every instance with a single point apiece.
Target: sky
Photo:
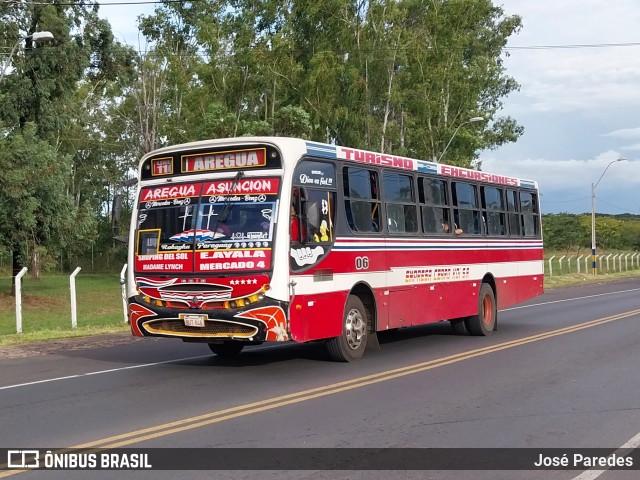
(579, 106)
(578, 66)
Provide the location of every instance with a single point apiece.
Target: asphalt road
(561, 372)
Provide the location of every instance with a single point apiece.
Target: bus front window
(240, 221)
(161, 227)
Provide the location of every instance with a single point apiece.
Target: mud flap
(372, 341)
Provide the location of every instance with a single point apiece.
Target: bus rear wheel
(484, 323)
(226, 349)
(351, 344)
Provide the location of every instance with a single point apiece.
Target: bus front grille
(212, 328)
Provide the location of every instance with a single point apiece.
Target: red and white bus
(247, 240)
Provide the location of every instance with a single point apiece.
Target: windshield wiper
(222, 218)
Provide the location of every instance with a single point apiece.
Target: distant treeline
(572, 232)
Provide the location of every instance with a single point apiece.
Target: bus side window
(362, 200)
(433, 198)
(493, 216)
(400, 203)
(529, 214)
(513, 218)
(466, 209)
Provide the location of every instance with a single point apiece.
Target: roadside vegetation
(46, 308)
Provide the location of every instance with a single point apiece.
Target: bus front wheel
(351, 344)
(484, 322)
(226, 349)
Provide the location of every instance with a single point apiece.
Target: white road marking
(102, 371)
(623, 451)
(569, 299)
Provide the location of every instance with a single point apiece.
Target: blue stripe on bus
(526, 184)
(426, 167)
(321, 149)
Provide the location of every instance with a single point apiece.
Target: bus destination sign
(206, 162)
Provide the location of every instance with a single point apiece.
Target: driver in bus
(296, 224)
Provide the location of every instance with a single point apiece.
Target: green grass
(557, 281)
(46, 307)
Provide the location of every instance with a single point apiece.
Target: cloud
(624, 133)
(580, 79)
(566, 184)
(566, 174)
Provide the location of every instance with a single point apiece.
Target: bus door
(316, 313)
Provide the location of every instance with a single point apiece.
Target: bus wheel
(351, 344)
(484, 322)
(226, 349)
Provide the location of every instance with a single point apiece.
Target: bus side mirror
(115, 212)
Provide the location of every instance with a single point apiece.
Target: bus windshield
(197, 232)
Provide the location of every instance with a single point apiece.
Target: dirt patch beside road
(51, 347)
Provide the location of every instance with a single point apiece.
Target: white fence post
(72, 288)
(123, 284)
(560, 263)
(608, 262)
(551, 267)
(578, 262)
(586, 264)
(626, 261)
(19, 299)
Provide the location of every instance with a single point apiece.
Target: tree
(33, 195)
(47, 102)
(564, 231)
(388, 75)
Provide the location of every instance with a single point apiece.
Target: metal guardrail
(565, 264)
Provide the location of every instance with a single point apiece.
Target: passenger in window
(447, 229)
(446, 224)
(295, 225)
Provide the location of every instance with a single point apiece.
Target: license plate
(194, 320)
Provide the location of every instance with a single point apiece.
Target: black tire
(484, 323)
(351, 344)
(226, 349)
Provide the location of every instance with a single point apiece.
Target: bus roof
(325, 150)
